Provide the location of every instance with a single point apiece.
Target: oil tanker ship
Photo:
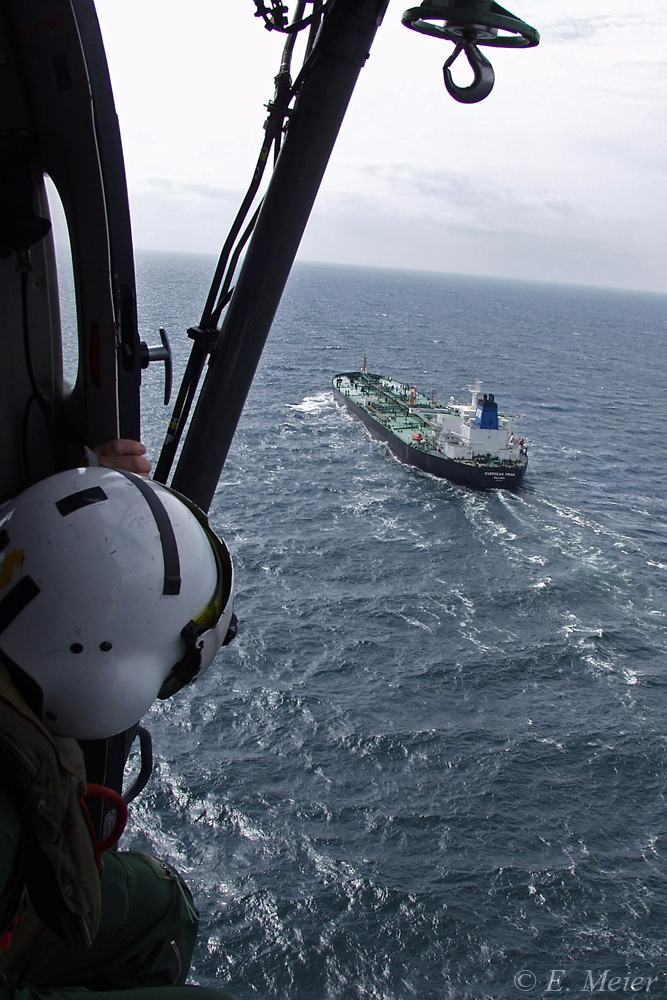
(468, 443)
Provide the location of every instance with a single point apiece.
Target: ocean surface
(433, 763)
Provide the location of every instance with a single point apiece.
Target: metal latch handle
(159, 352)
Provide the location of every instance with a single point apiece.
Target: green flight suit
(144, 943)
(147, 925)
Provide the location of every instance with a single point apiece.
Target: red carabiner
(102, 792)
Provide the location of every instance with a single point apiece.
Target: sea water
(433, 762)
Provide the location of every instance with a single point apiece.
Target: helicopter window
(66, 295)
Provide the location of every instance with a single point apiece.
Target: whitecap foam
(312, 404)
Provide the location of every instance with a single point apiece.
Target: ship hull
(478, 476)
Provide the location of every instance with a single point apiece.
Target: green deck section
(388, 402)
(385, 398)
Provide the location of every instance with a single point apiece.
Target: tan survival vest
(45, 777)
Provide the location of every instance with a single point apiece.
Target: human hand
(122, 453)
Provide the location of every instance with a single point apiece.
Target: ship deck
(388, 402)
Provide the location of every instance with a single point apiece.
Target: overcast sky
(558, 175)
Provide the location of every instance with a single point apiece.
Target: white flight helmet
(113, 591)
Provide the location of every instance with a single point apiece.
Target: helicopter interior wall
(55, 63)
(27, 453)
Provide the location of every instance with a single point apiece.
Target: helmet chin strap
(189, 665)
(198, 639)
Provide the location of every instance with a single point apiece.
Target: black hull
(481, 477)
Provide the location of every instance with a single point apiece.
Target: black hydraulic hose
(284, 92)
(233, 263)
(273, 127)
(341, 49)
(288, 50)
(225, 268)
(236, 229)
(186, 394)
(200, 348)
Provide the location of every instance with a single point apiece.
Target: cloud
(193, 217)
(160, 186)
(573, 29)
(396, 215)
(605, 27)
(467, 203)
(510, 236)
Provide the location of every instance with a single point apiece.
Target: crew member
(113, 591)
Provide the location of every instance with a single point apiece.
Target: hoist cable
(219, 293)
(226, 288)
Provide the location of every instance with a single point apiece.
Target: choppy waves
(434, 756)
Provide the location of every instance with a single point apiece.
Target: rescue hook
(469, 24)
(482, 85)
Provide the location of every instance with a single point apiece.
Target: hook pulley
(484, 79)
(470, 23)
